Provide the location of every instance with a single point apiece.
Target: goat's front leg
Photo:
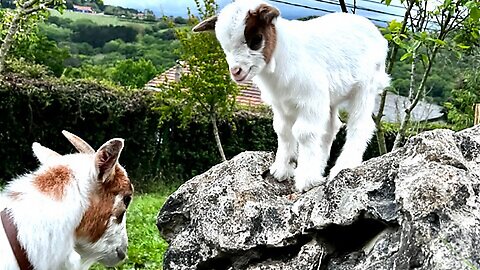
(283, 168)
(309, 130)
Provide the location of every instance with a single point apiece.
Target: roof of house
(250, 95)
(395, 105)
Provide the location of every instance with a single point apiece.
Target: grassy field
(146, 247)
(98, 18)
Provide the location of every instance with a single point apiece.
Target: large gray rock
(415, 208)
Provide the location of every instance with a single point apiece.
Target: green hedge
(38, 109)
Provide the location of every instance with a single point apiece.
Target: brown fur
(95, 220)
(259, 22)
(53, 181)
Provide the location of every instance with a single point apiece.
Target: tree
(206, 92)
(133, 73)
(44, 52)
(179, 20)
(424, 31)
(460, 107)
(20, 20)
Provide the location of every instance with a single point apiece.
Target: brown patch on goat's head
(53, 181)
(259, 29)
(102, 205)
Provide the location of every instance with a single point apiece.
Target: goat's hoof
(307, 184)
(281, 172)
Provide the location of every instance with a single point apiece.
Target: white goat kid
(71, 211)
(305, 71)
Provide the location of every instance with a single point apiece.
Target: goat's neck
(286, 51)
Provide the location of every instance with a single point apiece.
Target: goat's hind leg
(283, 168)
(360, 127)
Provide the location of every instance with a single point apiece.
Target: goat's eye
(126, 200)
(256, 42)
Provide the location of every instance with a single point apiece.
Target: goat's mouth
(243, 77)
(115, 258)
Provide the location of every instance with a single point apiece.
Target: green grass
(98, 18)
(146, 247)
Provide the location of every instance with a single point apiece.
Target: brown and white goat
(71, 211)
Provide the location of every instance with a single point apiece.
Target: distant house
(250, 95)
(395, 105)
(83, 9)
(139, 16)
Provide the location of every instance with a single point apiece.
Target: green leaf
(394, 26)
(425, 59)
(440, 42)
(405, 56)
(388, 37)
(475, 13)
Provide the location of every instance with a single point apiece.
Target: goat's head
(247, 34)
(102, 234)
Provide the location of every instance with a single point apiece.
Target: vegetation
(105, 19)
(15, 24)
(77, 45)
(460, 105)
(102, 52)
(211, 95)
(456, 23)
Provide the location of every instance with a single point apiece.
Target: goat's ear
(206, 25)
(106, 158)
(43, 153)
(266, 13)
(80, 145)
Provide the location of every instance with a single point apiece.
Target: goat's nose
(121, 253)
(236, 71)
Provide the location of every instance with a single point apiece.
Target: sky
(179, 7)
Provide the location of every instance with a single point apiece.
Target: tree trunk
(403, 126)
(8, 40)
(217, 137)
(382, 146)
(411, 97)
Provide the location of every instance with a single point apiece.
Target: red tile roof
(249, 93)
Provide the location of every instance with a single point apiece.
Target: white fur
(317, 66)
(46, 226)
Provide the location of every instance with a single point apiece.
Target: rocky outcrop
(415, 208)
